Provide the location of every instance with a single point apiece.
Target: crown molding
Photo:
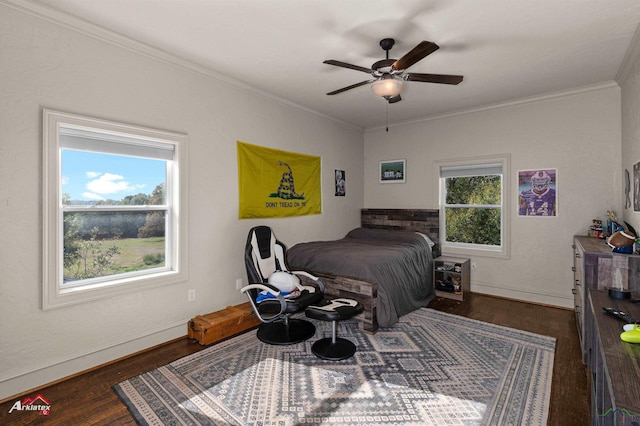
(507, 104)
(630, 58)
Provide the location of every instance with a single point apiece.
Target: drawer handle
(573, 290)
(573, 268)
(577, 282)
(577, 255)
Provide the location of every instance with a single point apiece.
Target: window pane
(98, 244)
(473, 225)
(473, 190)
(90, 178)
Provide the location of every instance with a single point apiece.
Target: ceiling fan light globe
(387, 88)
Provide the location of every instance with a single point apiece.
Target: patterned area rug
(432, 368)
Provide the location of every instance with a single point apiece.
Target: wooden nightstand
(451, 277)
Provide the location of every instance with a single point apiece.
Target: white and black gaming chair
(263, 256)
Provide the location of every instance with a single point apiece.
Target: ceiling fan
(389, 74)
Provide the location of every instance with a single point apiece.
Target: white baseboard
(539, 297)
(32, 380)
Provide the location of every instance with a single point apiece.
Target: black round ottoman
(334, 348)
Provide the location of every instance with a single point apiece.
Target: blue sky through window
(91, 176)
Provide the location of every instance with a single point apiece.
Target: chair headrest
(265, 240)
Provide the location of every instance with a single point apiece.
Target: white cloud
(65, 180)
(92, 196)
(92, 175)
(109, 183)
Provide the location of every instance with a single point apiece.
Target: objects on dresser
(631, 333)
(603, 230)
(619, 293)
(621, 315)
(620, 240)
(600, 229)
(596, 230)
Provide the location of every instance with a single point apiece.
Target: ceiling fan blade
(395, 99)
(434, 78)
(423, 49)
(353, 86)
(346, 65)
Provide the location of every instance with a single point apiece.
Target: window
(112, 208)
(473, 217)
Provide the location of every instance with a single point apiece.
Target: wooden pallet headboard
(426, 221)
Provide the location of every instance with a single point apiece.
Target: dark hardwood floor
(87, 399)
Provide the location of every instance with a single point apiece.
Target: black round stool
(334, 348)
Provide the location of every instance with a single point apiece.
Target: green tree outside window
(473, 209)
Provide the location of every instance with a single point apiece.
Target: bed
(386, 264)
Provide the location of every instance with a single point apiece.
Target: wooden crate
(219, 325)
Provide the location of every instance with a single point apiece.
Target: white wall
(629, 79)
(46, 65)
(577, 133)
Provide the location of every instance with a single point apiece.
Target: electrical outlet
(474, 266)
(238, 283)
(191, 295)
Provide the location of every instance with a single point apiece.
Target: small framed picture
(341, 189)
(393, 171)
(537, 192)
(636, 187)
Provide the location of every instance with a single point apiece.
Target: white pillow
(431, 243)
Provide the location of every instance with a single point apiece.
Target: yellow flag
(275, 183)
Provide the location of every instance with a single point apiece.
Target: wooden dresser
(596, 267)
(614, 365)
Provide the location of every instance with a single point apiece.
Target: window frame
(464, 249)
(54, 293)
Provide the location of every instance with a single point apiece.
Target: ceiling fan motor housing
(384, 66)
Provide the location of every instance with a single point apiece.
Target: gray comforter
(400, 262)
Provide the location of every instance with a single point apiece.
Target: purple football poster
(537, 192)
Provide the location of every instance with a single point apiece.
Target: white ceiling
(505, 49)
